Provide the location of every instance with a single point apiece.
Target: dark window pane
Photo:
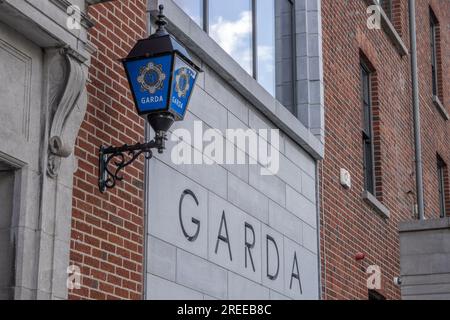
(368, 166)
(367, 121)
(369, 170)
(365, 84)
(230, 25)
(284, 57)
(7, 234)
(193, 8)
(441, 179)
(366, 101)
(433, 26)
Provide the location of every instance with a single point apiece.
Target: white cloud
(266, 68)
(235, 38)
(266, 54)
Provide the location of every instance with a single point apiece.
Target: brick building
(338, 90)
(351, 221)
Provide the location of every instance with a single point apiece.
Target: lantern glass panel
(183, 82)
(150, 82)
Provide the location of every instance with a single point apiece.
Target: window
(194, 9)
(442, 172)
(246, 30)
(434, 52)
(367, 132)
(230, 25)
(7, 233)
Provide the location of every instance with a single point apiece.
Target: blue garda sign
(149, 80)
(183, 82)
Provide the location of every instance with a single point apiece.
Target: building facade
(219, 230)
(314, 210)
(369, 106)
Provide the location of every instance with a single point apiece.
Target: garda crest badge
(182, 82)
(151, 77)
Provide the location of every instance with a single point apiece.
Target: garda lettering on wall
(195, 220)
(222, 241)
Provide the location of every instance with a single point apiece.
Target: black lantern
(162, 77)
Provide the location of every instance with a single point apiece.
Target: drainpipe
(415, 90)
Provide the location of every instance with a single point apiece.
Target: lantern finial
(161, 22)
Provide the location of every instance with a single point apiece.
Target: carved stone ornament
(67, 86)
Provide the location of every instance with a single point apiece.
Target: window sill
(437, 102)
(376, 205)
(387, 26)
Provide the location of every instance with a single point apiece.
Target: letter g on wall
(185, 193)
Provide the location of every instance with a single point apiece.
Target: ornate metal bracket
(120, 157)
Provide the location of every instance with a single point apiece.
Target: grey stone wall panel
(281, 206)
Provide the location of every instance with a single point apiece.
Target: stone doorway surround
(44, 164)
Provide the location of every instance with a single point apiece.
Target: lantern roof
(159, 43)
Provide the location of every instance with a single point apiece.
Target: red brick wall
(349, 225)
(107, 229)
(397, 15)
